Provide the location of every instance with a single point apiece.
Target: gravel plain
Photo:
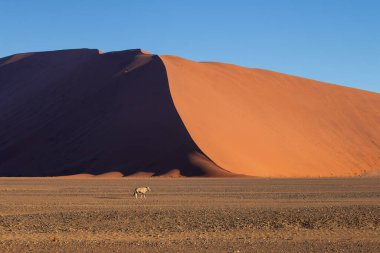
(190, 215)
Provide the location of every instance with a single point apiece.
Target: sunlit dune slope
(263, 123)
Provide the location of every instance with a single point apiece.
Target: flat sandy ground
(190, 215)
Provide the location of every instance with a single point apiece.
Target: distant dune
(84, 112)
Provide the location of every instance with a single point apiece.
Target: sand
(82, 112)
(267, 124)
(190, 215)
(132, 113)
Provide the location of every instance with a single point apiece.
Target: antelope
(142, 191)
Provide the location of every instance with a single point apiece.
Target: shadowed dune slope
(263, 123)
(91, 113)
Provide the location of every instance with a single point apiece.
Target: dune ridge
(82, 112)
(85, 113)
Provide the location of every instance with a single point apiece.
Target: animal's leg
(135, 195)
(144, 196)
(141, 195)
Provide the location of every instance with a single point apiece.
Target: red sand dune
(83, 112)
(263, 123)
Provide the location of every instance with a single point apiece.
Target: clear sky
(337, 41)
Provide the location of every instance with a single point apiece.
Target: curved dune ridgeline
(263, 123)
(83, 112)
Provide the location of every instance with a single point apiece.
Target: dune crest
(79, 112)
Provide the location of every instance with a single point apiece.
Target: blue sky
(337, 41)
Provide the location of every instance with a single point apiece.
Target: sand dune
(84, 112)
(81, 112)
(263, 123)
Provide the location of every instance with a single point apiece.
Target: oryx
(142, 191)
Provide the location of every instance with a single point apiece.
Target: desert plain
(190, 215)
